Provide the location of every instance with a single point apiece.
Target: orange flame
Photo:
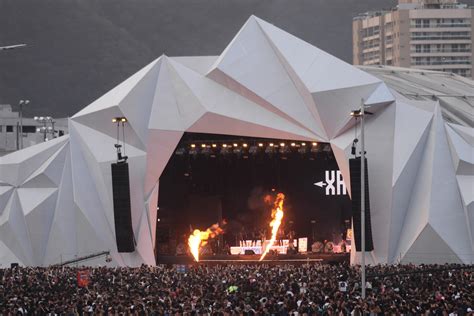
(199, 239)
(277, 216)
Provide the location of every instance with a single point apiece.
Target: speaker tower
(354, 166)
(122, 207)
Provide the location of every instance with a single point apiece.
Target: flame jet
(277, 216)
(199, 239)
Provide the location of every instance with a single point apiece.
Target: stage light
(355, 113)
(271, 145)
(269, 149)
(282, 144)
(315, 144)
(203, 145)
(253, 150)
(206, 150)
(284, 150)
(214, 145)
(302, 150)
(293, 144)
(245, 145)
(235, 144)
(114, 120)
(224, 149)
(193, 150)
(303, 144)
(180, 151)
(260, 144)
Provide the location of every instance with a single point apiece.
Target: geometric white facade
(56, 197)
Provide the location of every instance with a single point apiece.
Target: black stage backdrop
(195, 189)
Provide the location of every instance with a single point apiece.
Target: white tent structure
(56, 197)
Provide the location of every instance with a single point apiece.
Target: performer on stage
(255, 237)
(263, 236)
(240, 238)
(280, 235)
(291, 238)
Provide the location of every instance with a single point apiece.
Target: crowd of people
(308, 289)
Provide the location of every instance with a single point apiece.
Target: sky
(78, 50)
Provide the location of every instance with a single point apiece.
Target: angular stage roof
(56, 198)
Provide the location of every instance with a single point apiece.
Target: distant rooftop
(415, 4)
(454, 93)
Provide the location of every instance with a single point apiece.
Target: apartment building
(423, 34)
(34, 131)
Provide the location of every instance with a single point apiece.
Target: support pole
(17, 135)
(21, 125)
(362, 197)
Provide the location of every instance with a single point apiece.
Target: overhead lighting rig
(248, 148)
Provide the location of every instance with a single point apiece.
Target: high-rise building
(424, 34)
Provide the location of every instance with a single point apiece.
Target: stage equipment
(122, 207)
(364, 203)
(317, 247)
(355, 171)
(329, 247)
(121, 193)
(108, 258)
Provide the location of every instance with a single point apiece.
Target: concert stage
(254, 259)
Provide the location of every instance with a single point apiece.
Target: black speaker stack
(122, 207)
(355, 171)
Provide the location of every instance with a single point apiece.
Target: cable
(118, 132)
(123, 137)
(355, 141)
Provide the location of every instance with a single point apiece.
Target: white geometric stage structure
(56, 197)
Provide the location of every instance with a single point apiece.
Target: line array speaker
(122, 207)
(355, 171)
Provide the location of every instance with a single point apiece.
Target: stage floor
(253, 259)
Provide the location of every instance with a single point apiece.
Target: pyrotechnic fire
(277, 216)
(199, 239)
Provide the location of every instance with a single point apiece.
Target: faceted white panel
(6, 192)
(428, 248)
